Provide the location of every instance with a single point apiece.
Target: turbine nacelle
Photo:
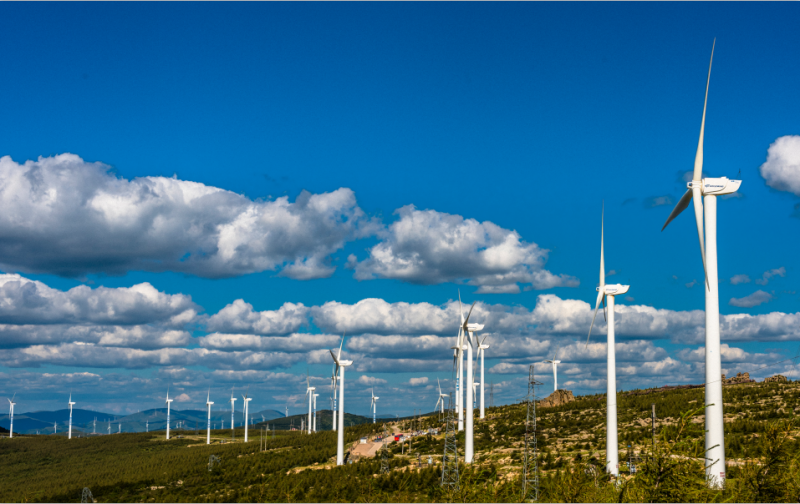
(474, 327)
(614, 289)
(716, 186)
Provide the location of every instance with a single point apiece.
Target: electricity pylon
(530, 469)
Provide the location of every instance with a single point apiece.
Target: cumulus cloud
(370, 380)
(740, 279)
(94, 356)
(239, 317)
(24, 301)
(429, 247)
(759, 297)
(66, 216)
(416, 382)
(764, 280)
(139, 336)
(298, 342)
(183, 398)
(781, 170)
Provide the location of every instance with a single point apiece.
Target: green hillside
(760, 438)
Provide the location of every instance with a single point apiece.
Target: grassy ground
(760, 445)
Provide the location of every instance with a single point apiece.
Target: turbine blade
(698, 215)
(698, 160)
(340, 350)
(680, 207)
(602, 259)
(470, 313)
(596, 307)
(605, 312)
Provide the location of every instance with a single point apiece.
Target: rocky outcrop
(557, 398)
(778, 378)
(739, 378)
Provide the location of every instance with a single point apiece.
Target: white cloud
(728, 354)
(183, 398)
(24, 301)
(139, 336)
(781, 170)
(759, 297)
(370, 380)
(429, 247)
(740, 279)
(416, 382)
(298, 342)
(66, 216)
(239, 317)
(378, 316)
(764, 280)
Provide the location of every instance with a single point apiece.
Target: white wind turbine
(609, 291)
(705, 190)
(233, 411)
(341, 365)
(246, 410)
(555, 364)
(208, 429)
(169, 403)
(458, 362)
(440, 401)
(310, 393)
(11, 405)
(469, 330)
(71, 404)
(481, 350)
(146, 425)
(374, 405)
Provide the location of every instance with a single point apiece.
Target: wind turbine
(169, 403)
(287, 411)
(374, 405)
(208, 405)
(458, 362)
(233, 410)
(469, 330)
(341, 365)
(705, 190)
(441, 398)
(94, 426)
(246, 409)
(609, 291)
(315, 412)
(310, 393)
(481, 350)
(555, 364)
(147, 426)
(71, 404)
(11, 405)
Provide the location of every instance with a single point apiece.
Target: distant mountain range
(153, 419)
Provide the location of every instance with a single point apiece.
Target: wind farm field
(761, 448)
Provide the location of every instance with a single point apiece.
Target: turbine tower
(147, 426)
(334, 377)
(11, 405)
(315, 412)
(169, 403)
(246, 410)
(469, 330)
(609, 291)
(481, 350)
(71, 404)
(310, 393)
(555, 364)
(341, 365)
(208, 405)
(374, 405)
(705, 190)
(233, 410)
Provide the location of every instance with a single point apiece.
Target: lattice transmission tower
(384, 452)
(450, 458)
(86, 495)
(530, 468)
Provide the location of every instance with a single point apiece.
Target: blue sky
(513, 122)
